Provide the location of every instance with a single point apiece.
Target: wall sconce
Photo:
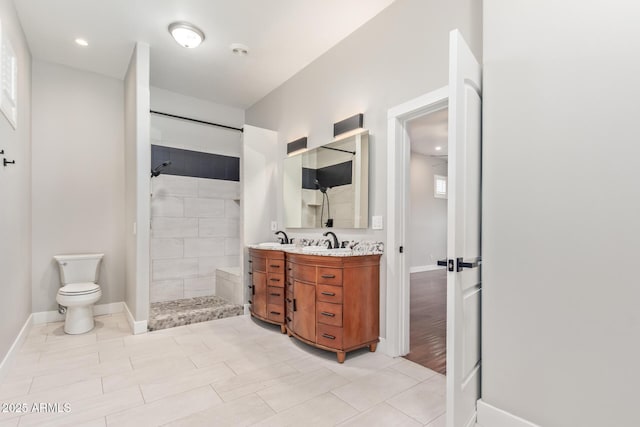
(346, 125)
(297, 145)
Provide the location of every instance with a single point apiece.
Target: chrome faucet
(336, 243)
(284, 239)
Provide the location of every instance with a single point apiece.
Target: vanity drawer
(275, 295)
(275, 279)
(275, 313)
(258, 264)
(330, 276)
(329, 336)
(329, 314)
(305, 273)
(329, 293)
(275, 266)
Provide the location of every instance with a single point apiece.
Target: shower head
(158, 169)
(320, 187)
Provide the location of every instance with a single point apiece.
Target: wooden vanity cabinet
(267, 286)
(333, 302)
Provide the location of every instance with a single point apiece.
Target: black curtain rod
(196, 121)
(338, 149)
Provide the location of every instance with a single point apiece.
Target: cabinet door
(259, 297)
(304, 315)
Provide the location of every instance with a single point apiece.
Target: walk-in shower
(195, 222)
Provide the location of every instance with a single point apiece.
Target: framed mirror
(328, 186)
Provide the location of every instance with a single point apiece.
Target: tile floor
(229, 372)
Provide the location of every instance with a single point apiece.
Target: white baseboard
(490, 416)
(136, 326)
(6, 363)
(98, 310)
(382, 346)
(421, 268)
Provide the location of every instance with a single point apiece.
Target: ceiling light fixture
(239, 49)
(438, 148)
(187, 35)
(82, 42)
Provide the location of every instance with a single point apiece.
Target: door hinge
(401, 249)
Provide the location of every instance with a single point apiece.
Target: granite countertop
(322, 250)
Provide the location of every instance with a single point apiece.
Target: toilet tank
(81, 268)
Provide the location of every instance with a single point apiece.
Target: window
(440, 186)
(8, 81)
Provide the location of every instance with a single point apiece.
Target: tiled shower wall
(195, 230)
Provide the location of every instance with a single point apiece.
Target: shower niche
(328, 186)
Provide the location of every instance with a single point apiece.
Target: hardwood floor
(428, 336)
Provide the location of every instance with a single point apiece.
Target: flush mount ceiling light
(239, 49)
(82, 42)
(187, 35)
(438, 148)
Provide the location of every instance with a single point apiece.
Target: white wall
(15, 193)
(169, 102)
(78, 179)
(398, 55)
(137, 182)
(561, 216)
(258, 186)
(428, 214)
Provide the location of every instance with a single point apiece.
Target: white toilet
(79, 290)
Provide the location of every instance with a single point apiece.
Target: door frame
(398, 156)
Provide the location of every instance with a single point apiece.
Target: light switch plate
(274, 225)
(376, 222)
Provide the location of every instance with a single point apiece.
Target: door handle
(462, 264)
(446, 263)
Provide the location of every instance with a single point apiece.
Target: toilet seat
(79, 289)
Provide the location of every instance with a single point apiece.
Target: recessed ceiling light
(82, 42)
(438, 148)
(187, 35)
(239, 49)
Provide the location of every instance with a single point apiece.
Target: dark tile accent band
(330, 176)
(296, 145)
(196, 164)
(353, 122)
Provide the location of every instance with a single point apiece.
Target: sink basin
(315, 249)
(275, 245)
(324, 249)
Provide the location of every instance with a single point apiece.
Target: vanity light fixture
(346, 125)
(296, 146)
(82, 42)
(186, 34)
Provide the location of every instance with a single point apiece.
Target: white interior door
(463, 245)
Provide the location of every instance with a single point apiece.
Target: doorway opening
(427, 239)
